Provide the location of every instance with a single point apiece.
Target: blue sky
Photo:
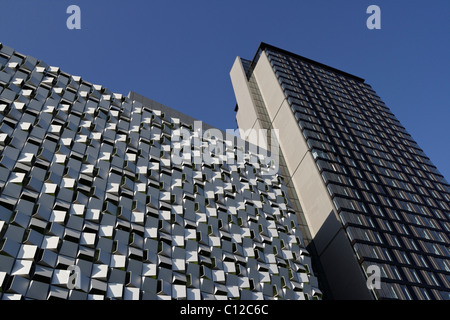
(179, 53)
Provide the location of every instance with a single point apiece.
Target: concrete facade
(312, 193)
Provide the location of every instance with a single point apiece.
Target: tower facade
(368, 197)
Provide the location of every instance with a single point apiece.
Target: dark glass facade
(392, 201)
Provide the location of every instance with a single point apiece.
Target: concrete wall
(343, 273)
(246, 117)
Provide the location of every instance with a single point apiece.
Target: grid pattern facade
(86, 180)
(392, 201)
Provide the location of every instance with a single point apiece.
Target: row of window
(376, 156)
(385, 113)
(373, 137)
(413, 290)
(362, 90)
(410, 186)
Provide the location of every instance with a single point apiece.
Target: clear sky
(179, 53)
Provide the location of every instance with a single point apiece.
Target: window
(394, 294)
(406, 293)
(396, 241)
(370, 222)
(374, 251)
(425, 293)
(395, 214)
(380, 211)
(411, 241)
(388, 226)
(386, 199)
(427, 277)
(435, 249)
(363, 207)
(396, 274)
(405, 257)
(359, 220)
(383, 272)
(436, 283)
(366, 186)
(386, 253)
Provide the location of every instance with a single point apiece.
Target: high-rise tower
(366, 193)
